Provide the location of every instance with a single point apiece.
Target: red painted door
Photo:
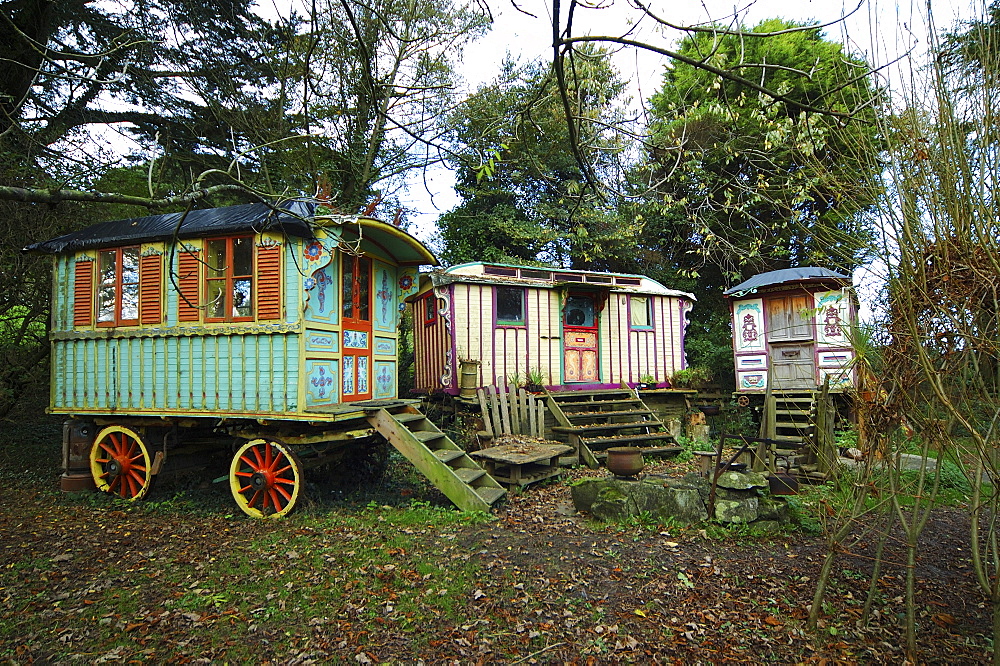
(580, 344)
(356, 342)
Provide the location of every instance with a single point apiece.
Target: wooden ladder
(443, 462)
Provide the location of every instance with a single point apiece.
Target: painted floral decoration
(309, 283)
(313, 251)
(405, 282)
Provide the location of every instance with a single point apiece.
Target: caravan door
(356, 281)
(580, 343)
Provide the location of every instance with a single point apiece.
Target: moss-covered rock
(737, 511)
(682, 499)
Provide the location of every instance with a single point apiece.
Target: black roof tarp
(291, 218)
(801, 274)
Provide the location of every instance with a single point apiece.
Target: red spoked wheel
(265, 478)
(120, 464)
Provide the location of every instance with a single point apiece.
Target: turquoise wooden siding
(250, 374)
(293, 281)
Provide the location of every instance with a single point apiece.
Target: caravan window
(229, 278)
(639, 314)
(510, 306)
(118, 287)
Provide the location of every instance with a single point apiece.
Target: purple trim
(628, 336)
(683, 324)
(430, 313)
(569, 388)
(670, 318)
(524, 308)
(656, 337)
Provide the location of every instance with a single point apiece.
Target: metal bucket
(78, 437)
(783, 484)
(468, 379)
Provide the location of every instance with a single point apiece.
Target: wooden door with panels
(791, 338)
(580, 344)
(356, 323)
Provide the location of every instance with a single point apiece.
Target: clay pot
(625, 460)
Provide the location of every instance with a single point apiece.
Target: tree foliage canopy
(742, 183)
(524, 195)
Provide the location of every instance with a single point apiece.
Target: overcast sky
(880, 30)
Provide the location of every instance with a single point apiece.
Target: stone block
(737, 511)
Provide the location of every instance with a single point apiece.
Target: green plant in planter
(691, 377)
(535, 377)
(647, 381)
(515, 379)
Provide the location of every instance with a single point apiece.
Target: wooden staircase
(791, 417)
(801, 434)
(597, 420)
(443, 462)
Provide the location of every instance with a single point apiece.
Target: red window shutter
(188, 279)
(150, 288)
(269, 282)
(83, 293)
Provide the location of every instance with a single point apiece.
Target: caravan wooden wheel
(120, 464)
(265, 478)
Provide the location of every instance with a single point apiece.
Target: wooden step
(592, 403)
(469, 474)
(490, 495)
(571, 395)
(574, 416)
(406, 417)
(791, 412)
(447, 455)
(442, 462)
(628, 440)
(601, 427)
(647, 451)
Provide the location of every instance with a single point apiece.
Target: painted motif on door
(580, 350)
(356, 297)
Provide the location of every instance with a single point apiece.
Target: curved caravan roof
(787, 275)
(545, 277)
(293, 218)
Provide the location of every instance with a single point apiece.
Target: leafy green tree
(745, 184)
(218, 101)
(524, 195)
(381, 80)
(737, 183)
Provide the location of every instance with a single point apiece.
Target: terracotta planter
(625, 460)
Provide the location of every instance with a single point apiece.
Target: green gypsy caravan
(272, 330)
